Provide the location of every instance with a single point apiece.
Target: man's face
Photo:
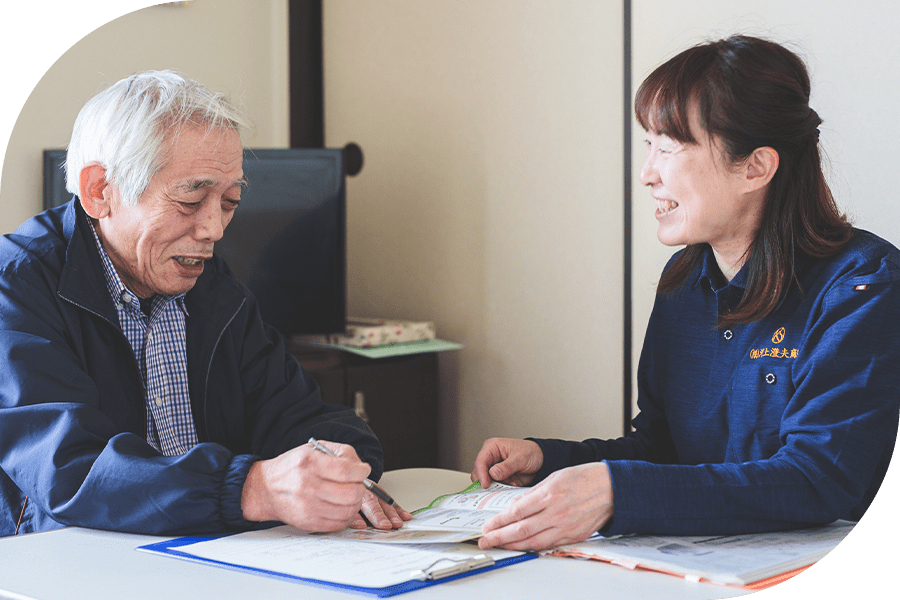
(159, 245)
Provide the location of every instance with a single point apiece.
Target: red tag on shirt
(860, 287)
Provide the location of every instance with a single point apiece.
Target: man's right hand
(307, 488)
(509, 461)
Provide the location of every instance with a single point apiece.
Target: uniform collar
(710, 274)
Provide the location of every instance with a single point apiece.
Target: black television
(287, 240)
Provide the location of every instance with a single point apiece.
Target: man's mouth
(188, 261)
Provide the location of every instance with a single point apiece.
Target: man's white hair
(123, 128)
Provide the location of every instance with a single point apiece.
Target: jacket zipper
(209, 366)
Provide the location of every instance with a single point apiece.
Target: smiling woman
(703, 198)
(767, 383)
(746, 101)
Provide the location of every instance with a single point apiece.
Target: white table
(75, 563)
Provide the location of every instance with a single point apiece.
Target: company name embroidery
(775, 353)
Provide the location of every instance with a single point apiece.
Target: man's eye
(230, 204)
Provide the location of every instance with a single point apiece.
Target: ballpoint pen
(370, 485)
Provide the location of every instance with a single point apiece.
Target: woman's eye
(659, 149)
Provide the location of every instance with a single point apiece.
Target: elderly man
(139, 389)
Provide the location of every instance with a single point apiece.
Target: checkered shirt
(160, 348)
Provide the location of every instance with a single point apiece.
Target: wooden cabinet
(396, 396)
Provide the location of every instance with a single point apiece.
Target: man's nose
(211, 222)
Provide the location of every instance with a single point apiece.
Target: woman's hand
(567, 507)
(509, 461)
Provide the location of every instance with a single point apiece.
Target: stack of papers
(741, 560)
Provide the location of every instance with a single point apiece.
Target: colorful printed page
(449, 519)
(467, 510)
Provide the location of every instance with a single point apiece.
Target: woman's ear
(761, 167)
(93, 187)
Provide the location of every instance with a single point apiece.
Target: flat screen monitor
(287, 240)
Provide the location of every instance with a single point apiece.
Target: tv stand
(397, 396)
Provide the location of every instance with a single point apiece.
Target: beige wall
(236, 46)
(849, 49)
(490, 200)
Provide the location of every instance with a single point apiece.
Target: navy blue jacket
(72, 412)
(784, 422)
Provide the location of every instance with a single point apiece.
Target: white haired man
(140, 390)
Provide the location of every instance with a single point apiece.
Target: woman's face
(700, 197)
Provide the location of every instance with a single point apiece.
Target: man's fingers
(344, 467)
(358, 523)
(381, 515)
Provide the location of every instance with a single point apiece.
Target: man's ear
(761, 167)
(95, 191)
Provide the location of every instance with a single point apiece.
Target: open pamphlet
(448, 519)
(752, 560)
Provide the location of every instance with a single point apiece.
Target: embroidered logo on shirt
(775, 353)
(860, 287)
(777, 338)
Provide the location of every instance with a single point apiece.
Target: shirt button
(728, 334)
(770, 378)
(126, 298)
(158, 401)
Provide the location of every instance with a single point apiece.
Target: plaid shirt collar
(120, 294)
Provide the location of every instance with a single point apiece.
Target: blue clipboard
(431, 575)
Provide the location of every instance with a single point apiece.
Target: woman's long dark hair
(752, 93)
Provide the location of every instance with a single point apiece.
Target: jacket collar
(81, 280)
(215, 297)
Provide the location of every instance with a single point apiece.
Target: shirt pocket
(760, 392)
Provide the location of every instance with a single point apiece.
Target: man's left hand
(380, 514)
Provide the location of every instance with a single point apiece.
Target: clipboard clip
(433, 571)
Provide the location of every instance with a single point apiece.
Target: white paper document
(729, 559)
(323, 557)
